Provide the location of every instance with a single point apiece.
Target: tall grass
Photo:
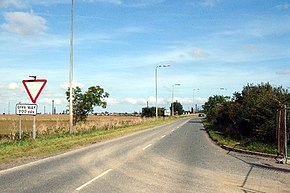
(245, 143)
(47, 125)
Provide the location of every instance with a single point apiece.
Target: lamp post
(193, 111)
(172, 105)
(156, 95)
(71, 71)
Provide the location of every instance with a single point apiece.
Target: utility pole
(71, 70)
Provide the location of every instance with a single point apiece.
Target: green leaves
(84, 103)
(250, 113)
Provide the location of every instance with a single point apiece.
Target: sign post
(33, 89)
(26, 109)
(20, 129)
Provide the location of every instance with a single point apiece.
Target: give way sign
(34, 88)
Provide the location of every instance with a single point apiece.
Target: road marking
(147, 146)
(163, 136)
(102, 174)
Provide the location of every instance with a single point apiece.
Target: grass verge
(56, 144)
(245, 144)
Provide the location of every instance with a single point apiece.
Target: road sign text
(26, 109)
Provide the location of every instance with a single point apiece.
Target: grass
(47, 125)
(245, 144)
(54, 144)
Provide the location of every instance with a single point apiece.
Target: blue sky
(209, 44)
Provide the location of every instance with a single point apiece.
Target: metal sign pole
(20, 129)
(34, 128)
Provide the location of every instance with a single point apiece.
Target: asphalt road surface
(174, 158)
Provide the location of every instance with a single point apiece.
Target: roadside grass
(55, 144)
(244, 144)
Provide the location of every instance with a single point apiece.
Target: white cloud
(116, 2)
(12, 3)
(48, 101)
(112, 101)
(209, 3)
(135, 101)
(284, 6)
(197, 53)
(129, 3)
(10, 86)
(284, 72)
(66, 85)
(13, 86)
(24, 23)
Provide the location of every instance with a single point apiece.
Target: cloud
(129, 3)
(66, 85)
(208, 3)
(284, 6)
(24, 23)
(10, 86)
(284, 73)
(135, 101)
(13, 86)
(115, 2)
(48, 101)
(142, 3)
(197, 53)
(12, 3)
(249, 47)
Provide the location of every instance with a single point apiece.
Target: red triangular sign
(34, 88)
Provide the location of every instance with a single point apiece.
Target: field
(59, 124)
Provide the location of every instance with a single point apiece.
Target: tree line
(250, 113)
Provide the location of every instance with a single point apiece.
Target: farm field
(57, 124)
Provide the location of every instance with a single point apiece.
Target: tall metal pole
(172, 105)
(71, 70)
(156, 107)
(156, 95)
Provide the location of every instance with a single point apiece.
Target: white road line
(163, 136)
(147, 146)
(102, 174)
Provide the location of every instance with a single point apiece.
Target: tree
(178, 108)
(249, 114)
(84, 103)
(210, 107)
(151, 111)
(148, 112)
(258, 106)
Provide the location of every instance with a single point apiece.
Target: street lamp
(156, 96)
(193, 111)
(172, 105)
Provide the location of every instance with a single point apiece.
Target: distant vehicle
(201, 115)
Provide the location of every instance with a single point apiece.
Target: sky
(118, 44)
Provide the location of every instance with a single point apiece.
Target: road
(174, 158)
